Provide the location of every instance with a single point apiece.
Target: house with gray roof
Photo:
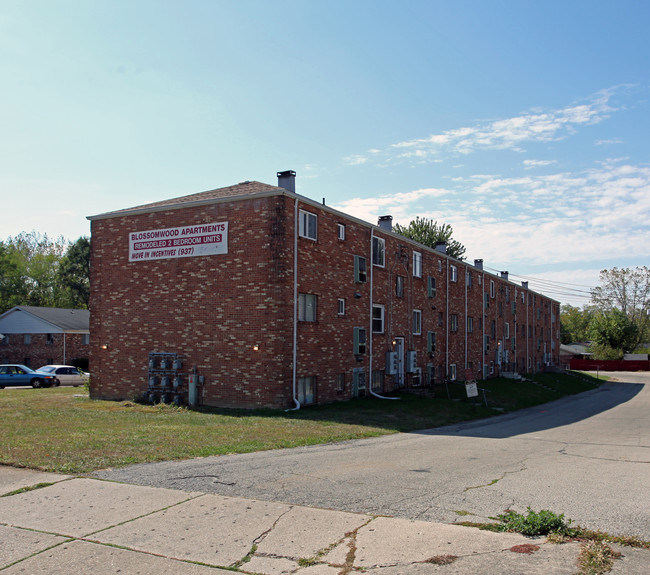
(36, 336)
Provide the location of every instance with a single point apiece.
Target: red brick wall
(214, 309)
(39, 352)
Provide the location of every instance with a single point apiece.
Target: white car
(66, 374)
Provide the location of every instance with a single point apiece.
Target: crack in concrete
(503, 475)
(596, 458)
(253, 550)
(214, 477)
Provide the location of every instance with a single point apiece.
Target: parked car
(66, 374)
(17, 374)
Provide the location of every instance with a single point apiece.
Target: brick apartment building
(37, 336)
(252, 295)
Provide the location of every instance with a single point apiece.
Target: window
(359, 340)
(377, 383)
(27, 339)
(341, 307)
(431, 341)
(341, 231)
(453, 273)
(470, 324)
(340, 383)
(431, 286)
(307, 223)
(441, 319)
(507, 331)
(417, 322)
(468, 278)
(491, 288)
(399, 286)
(50, 339)
(440, 265)
(378, 251)
(452, 372)
(306, 390)
(5, 340)
(85, 338)
(360, 272)
(453, 319)
(417, 264)
(377, 318)
(307, 307)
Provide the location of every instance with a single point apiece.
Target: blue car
(17, 374)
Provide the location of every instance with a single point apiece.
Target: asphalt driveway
(587, 456)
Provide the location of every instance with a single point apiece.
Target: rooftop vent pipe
(287, 180)
(441, 247)
(478, 264)
(386, 223)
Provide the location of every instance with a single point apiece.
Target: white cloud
(504, 134)
(356, 160)
(545, 220)
(538, 163)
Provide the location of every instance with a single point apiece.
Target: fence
(609, 365)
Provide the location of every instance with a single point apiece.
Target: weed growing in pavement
(526, 548)
(534, 522)
(25, 489)
(596, 558)
(442, 559)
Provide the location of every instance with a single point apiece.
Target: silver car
(66, 374)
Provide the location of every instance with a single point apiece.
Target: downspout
(484, 372)
(372, 269)
(64, 361)
(527, 334)
(466, 274)
(447, 326)
(295, 304)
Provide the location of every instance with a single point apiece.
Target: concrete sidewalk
(87, 526)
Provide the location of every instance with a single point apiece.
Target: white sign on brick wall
(182, 242)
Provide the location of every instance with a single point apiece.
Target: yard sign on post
(471, 387)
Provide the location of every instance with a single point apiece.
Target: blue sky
(523, 124)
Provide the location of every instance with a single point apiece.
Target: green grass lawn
(59, 429)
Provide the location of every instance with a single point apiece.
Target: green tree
(627, 290)
(429, 233)
(574, 323)
(74, 274)
(35, 270)
(613, 330)
(12, 291)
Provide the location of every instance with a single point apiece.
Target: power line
(557, 288)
